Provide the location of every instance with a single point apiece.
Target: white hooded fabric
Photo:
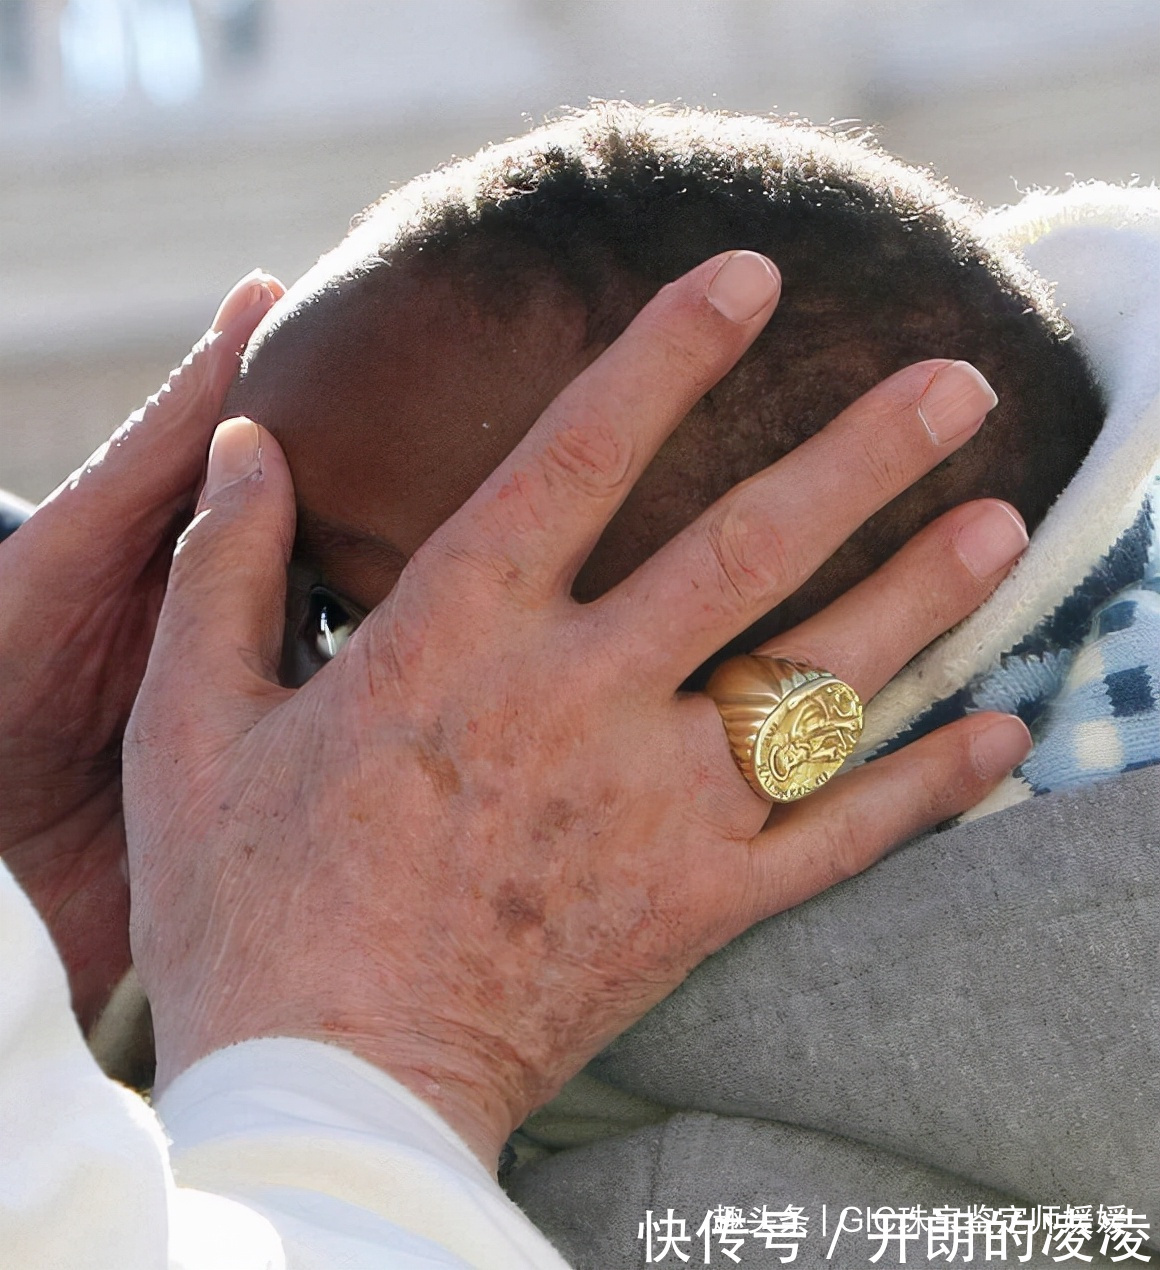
(1030, 647)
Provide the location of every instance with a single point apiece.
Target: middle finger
(763, 539)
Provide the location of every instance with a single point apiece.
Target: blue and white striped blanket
(1105, 716)
(1071, 640)
(1086, 681)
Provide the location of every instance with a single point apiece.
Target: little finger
(829, 836)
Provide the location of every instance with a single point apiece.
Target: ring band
(790, 726)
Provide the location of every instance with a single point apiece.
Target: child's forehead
(393, 403)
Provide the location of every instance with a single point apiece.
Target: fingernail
(744, 285)
(234, 455)
(1002, 746)
(992, 538)
(243, 295)
(956, 400)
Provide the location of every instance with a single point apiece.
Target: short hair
(882, 264)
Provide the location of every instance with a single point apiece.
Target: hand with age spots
(492, 832)
(82, 583)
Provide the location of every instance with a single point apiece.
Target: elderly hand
(492, 832)
(82, 582)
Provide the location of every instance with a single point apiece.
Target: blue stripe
(1129, 691)
(1097, 657)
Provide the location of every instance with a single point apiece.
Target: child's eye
(330, 623)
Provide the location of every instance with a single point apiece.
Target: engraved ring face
(790, 726)
(806, 739)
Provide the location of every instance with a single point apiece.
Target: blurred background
(152, 151)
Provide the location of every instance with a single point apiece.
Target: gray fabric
(983, 1001)
(590, 1200)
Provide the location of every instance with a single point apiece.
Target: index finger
(534, 521)
(121, 502)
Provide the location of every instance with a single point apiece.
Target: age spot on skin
(518, 908)
(557, 818)
(436, 763)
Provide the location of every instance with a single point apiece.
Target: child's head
(399, 371)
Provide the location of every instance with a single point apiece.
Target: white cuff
(343, 1160)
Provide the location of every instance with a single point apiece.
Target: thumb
(219, 636)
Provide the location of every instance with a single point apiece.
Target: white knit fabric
(1100, 247)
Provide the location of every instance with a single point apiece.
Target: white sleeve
(84, 1169)
(346, 1163)
(306, 1158)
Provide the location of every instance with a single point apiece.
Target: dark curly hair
(883, 265)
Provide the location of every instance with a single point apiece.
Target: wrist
(477, 1099)
(476, 1092)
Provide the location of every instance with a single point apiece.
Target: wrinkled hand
(492, 832)
(82, 582)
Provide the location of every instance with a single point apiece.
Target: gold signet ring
(790, 726)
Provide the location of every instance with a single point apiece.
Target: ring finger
(867, 635)
(938, 578)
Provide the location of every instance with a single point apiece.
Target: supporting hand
(82, 581)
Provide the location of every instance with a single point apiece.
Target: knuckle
(590, 454)
(934, 791)
(943, 780)
(886, 465)
(140, 728)
(968, 780)
(192, 545)
(845, 850)
(683, 356)
(482, 568)
(160, 722)
(753, 556)
(222, 541)
(946, 780)
(182, 392)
